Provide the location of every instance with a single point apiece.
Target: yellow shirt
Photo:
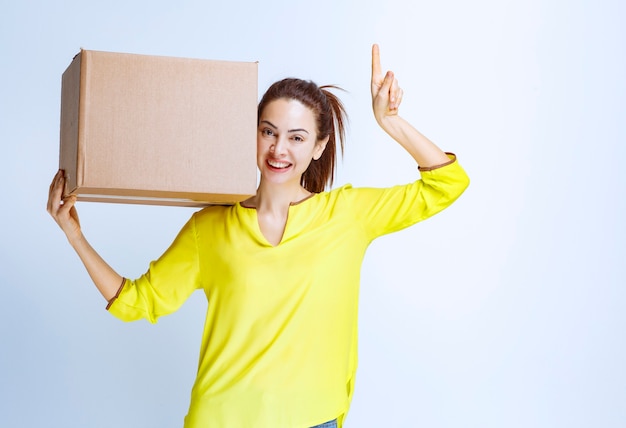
(279, 347)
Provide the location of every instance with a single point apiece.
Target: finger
(396, 94)
(67, 216)
(381, 99)
(385, 88)
(63, 215)
(57, 184)
(55, 179)
(68, 204)
(53, 186)
(376, 70)
(397, 99)
(393, 91)
(56, 191)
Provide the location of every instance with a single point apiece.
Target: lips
(278, 164)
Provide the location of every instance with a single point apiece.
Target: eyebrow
(289, 130)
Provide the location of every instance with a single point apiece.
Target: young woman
(281, 269)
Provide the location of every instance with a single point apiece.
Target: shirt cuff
(119, 290)
(452, 157)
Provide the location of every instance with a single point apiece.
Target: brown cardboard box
(158, 130)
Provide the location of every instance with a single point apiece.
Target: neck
(277, 197)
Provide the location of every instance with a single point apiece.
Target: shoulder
(212, 212)
(337, 192)
(331, 197)
(348, 198)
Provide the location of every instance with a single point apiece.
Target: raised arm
(386, 99)
(64, 213)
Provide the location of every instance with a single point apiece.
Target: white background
(506, 310)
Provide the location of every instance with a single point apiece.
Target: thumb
(385, 88)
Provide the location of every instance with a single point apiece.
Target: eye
(297, 138)
(267, 132)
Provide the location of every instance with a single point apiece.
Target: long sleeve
(383, 211)
(166, 285)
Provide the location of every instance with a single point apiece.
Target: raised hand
(386, 99)
(386, 94)
(64, 213)
(62, 209)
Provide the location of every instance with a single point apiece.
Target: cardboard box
(158, 130)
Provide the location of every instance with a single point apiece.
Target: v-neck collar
(291, 204)
(256, 227)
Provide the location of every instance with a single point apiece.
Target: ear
(320, 146)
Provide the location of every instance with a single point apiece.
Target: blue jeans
(329, 424)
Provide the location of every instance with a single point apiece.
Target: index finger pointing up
(376, 72)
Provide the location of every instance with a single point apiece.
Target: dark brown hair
(331, 119)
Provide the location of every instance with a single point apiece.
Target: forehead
(287, 113)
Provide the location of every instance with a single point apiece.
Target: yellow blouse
(279, 347)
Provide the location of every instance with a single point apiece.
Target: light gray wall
(506, 310)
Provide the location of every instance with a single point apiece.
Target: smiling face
(287, 141)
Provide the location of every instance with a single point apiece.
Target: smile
(278, 164)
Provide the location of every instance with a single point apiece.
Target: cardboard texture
(158, 130)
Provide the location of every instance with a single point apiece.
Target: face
(287, 141)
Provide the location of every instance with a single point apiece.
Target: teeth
(277, 164)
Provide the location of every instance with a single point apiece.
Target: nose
(279, 147)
